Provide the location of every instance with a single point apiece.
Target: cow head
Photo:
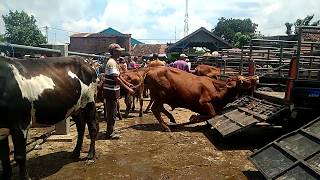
(247, 84)
(243, 84)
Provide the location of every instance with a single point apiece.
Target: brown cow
(156, 63)
(136, 78)
(206, 70)
(197, 93)
(152, 64)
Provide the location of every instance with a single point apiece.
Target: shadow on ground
(44, 166)
(249, 139)
(156, 127)
(253, 175)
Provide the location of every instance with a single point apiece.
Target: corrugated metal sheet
(295, 155)
(246, 111)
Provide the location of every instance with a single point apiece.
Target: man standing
(111, 89)
(181, 63)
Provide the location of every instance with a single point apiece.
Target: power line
(60, 29)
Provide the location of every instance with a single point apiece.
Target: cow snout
(4, 132)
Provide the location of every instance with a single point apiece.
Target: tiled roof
(147, 49)
(311, 37)
(81, 34)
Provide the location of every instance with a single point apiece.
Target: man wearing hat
(181, 63)
(111, 89)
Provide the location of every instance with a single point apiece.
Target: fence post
(252, 67)
(224, 66)
(280, 60)
(62, 127)
(310, 61)
(241, 60)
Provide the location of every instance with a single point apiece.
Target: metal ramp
(295, 155)
(244, 113)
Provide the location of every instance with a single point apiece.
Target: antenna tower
(186, 26)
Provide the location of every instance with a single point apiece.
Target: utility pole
(47, 33)
(186, 26)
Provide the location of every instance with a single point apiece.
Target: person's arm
(124, 81)
(124, 84)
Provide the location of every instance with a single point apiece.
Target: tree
(2, 38)
(20, 28)
(241, 39)
(300, 22)
(289, 28)
(227, 29)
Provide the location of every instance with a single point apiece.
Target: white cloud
(157, 19)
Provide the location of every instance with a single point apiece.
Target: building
(141, 50)
(97, 43)
(200, 38)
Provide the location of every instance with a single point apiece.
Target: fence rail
(272, 57)
(58, 50)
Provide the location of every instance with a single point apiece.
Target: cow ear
(231, 84)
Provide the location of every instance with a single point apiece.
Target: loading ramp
(295, 155)
(244, 113)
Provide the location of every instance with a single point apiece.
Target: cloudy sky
(155, 21)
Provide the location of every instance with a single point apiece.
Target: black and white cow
(44, 91)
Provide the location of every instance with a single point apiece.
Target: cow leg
(90, 116)
(118, 110)
(168, 114)
(128, 103)
(145, 93)
(133, 107)
(141, 105)
(201, 118)
(156, 109)
(149, 106)
(5, 159)
(19, 138)
(80, 124)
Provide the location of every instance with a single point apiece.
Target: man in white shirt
(111, 89)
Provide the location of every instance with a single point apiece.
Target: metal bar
(84, 54)
(17, 46)
(280, 60)
(310, 61)
(310, 27)
(298, 50)
(241, 61)
(267, 40)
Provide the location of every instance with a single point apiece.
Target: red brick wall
(97, 45)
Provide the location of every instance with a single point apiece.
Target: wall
(97, 45)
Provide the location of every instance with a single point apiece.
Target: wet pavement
(145, 152)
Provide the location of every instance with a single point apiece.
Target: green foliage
(2, 38)
(235, 31)
(240, 39)
(301, 22)
(22, 29)
(289, 28)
